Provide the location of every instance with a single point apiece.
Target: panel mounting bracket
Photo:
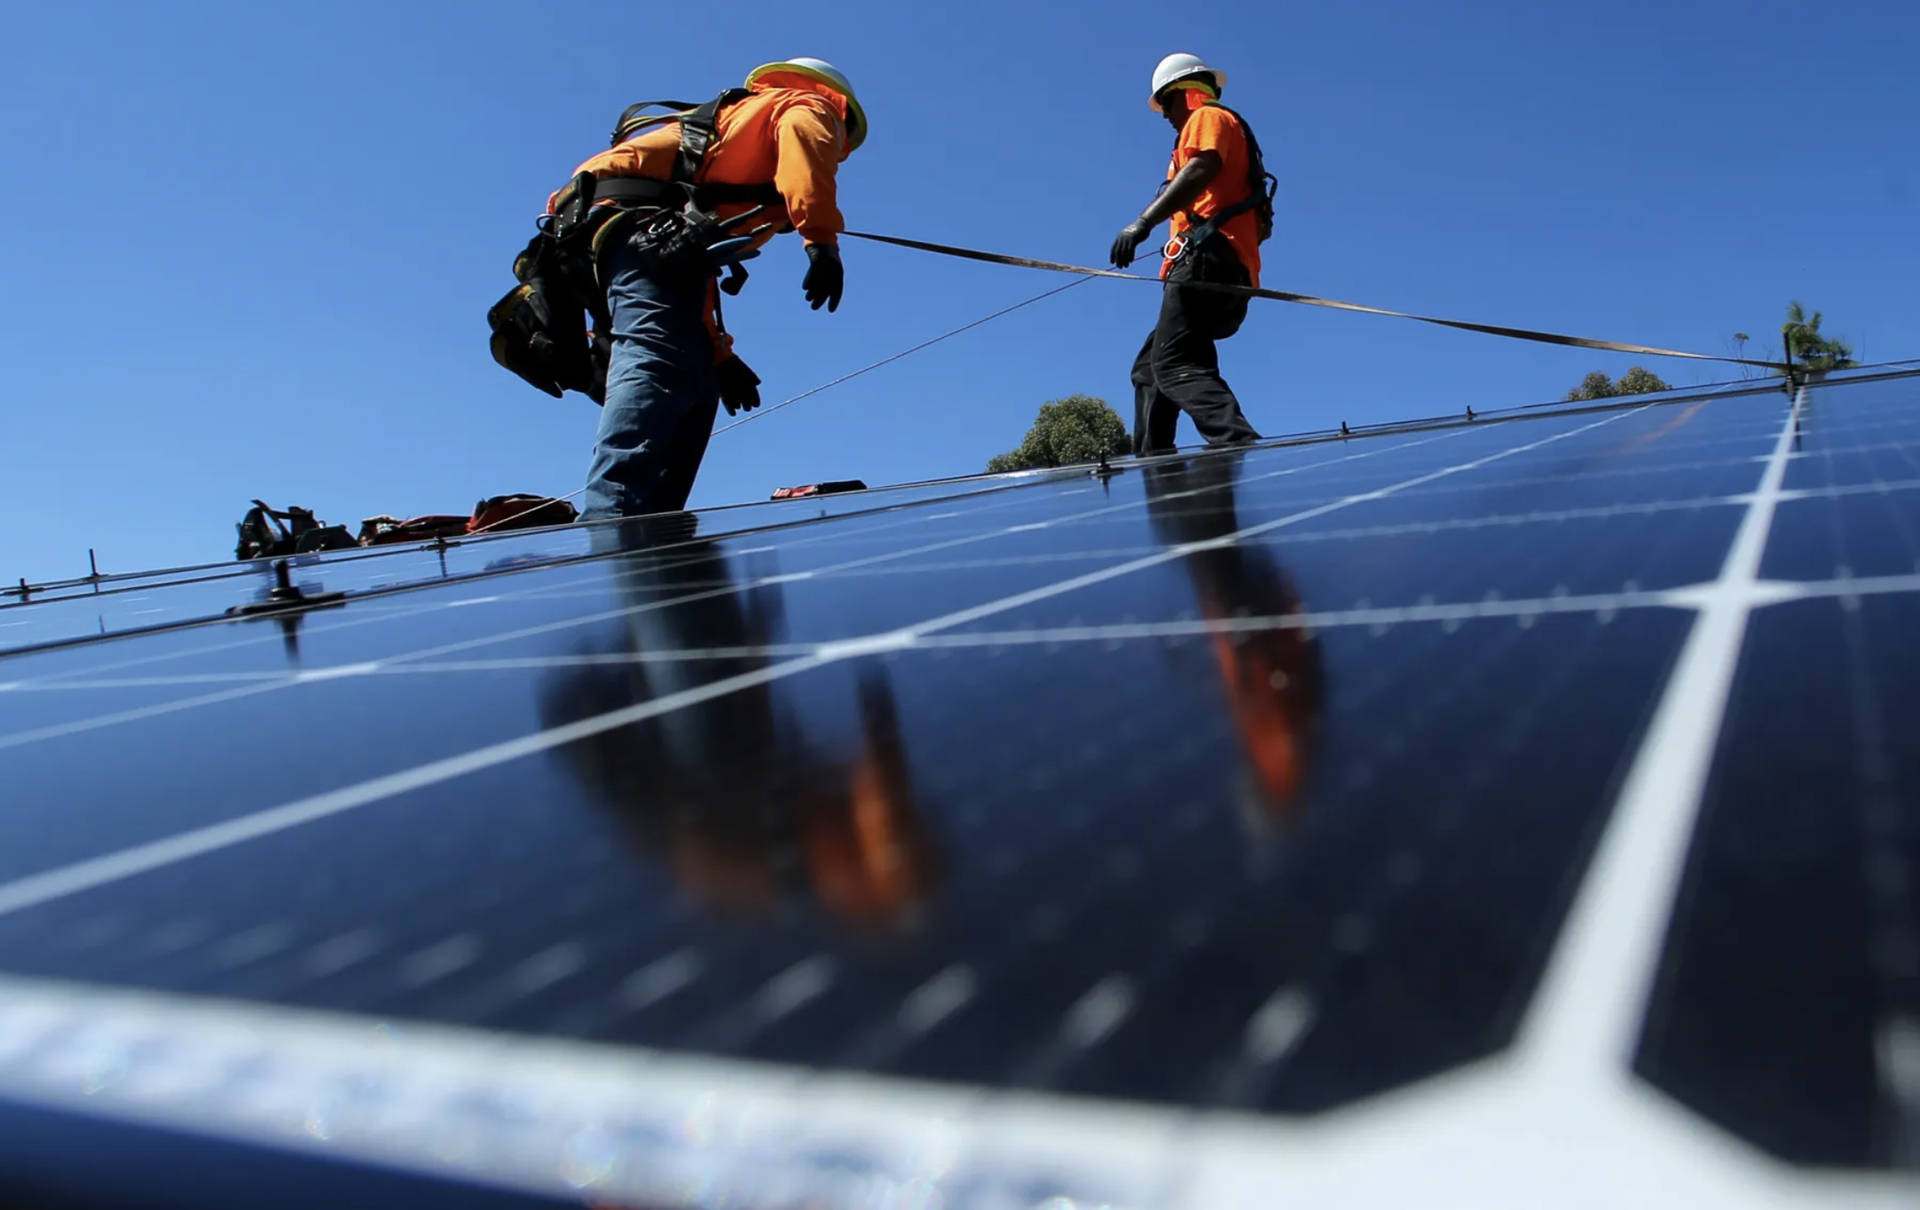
(285, 595)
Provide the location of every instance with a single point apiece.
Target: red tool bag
(386, 531)
(519, 511)
(829, 488)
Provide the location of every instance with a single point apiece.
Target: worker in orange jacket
(671, 363)
(1209, 201)
(744, 804)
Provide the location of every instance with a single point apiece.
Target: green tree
(1079, 428)
(1806, 345)
(1636, 381)
(1640, 381)
(1594, 386)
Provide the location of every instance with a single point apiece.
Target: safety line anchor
(1104, 471)
(284, 596)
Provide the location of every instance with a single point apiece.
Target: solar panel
(1491, 812)
(1789, 1006)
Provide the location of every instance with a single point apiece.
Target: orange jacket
(1211, 128)
(791, 131)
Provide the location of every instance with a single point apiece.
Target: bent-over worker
(778, 144)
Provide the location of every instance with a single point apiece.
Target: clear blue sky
(250, 247)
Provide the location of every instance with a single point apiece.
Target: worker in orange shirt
(1219, 209)
(702, 188)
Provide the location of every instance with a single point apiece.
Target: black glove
(1128, 242)
(825, 278)
(739, 386)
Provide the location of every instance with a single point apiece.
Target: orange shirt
(1211, 128)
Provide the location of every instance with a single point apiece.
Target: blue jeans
(661, 395)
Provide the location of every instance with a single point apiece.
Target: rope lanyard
(1552, 338)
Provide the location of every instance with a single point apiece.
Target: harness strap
(1200, 230)
(698, 129)
(631, 122)
(1260, 188)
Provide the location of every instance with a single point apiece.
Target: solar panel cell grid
(1269, 782)
(1790, 1003)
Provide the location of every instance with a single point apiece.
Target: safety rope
(1552, 338)
(1084, 274)
(867, 369)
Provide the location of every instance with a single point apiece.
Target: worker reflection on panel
(1273, 676)
(729, 792)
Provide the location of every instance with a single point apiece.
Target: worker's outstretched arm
(1187, 184)
(810, 141)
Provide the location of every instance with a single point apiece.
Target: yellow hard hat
(826, 73)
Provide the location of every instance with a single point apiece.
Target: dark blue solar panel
(1852, 507)
(1267, 781)
(1789, 1008)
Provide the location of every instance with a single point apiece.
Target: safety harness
(1261, 186)
(536, 327)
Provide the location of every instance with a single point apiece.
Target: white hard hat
(826, 73)
(1181, 67)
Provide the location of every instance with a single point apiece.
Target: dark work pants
(1178, 369)
(661, 394)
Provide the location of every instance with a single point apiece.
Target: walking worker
(690, 183)
(1218, 202)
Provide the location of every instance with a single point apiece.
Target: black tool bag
(267, 532)
(539, 328)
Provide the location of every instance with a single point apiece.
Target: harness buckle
(1176, 245)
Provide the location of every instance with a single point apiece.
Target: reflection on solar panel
(1510, 813)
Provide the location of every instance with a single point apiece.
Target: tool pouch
(539, 327)
(673, 246)
(530, 339)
